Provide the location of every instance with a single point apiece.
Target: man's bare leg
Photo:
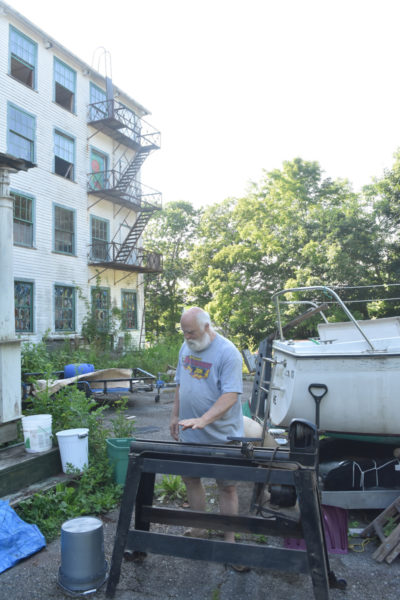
(197, 501)
(228, 505)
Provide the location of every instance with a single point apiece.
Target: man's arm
(173, 425)
(221, 406)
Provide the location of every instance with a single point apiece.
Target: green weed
(171, 488)
(94, 491)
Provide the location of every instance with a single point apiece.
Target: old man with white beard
(207, 407)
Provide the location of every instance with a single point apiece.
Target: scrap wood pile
(386, 527)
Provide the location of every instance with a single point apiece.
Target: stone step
(20, 469)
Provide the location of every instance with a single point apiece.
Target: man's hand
(198, 423)
(174, 428)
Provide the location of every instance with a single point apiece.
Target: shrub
(92, 492)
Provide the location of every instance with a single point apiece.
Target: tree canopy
(293, 228)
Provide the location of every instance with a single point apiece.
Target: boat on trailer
(346, 379)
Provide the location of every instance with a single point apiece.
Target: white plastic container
(37, 433)
(73, 444)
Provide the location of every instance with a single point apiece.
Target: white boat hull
(363, 394)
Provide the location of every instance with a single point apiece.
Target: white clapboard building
(79, 215)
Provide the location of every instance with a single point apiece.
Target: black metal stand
(295, 467)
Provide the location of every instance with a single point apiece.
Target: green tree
(383, 198)
(294, 228)
(172, 232)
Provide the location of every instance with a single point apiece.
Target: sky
(237, 87)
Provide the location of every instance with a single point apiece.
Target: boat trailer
(293, 469)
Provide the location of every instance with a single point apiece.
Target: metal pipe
(328, 290)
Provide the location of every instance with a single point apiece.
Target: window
(97, 98)
(64, 230)
(64, 154)
(64, 85)
(23, 220)
(101, 307)
(23, 52)
(23, 298)
(21, 133)
(98, 167)
(129, 310)
(99, 235)
(64, 308)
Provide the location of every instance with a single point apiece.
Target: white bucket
(37, 433)
(73, 445)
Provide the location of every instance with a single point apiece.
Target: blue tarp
(17, 538)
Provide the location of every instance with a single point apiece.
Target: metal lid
(81, 525)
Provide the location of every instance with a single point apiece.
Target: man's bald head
(197, 329)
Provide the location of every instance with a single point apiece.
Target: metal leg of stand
(314, 535)
(125, 515)
(144, 496)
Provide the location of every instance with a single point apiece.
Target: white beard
(201, 344)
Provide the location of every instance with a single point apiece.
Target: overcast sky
(238, 86)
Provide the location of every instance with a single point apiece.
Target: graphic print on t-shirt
(197, 368)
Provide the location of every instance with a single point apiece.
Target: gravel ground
(167, 578)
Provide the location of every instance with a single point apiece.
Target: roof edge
(7, 9)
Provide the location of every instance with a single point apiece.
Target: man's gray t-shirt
(203, 377)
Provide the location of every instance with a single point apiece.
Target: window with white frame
(64, 85)
(23, 219)
(64, 308)
(23, 58)
(64, 155)
(64, 230)
(21, 133)
(23, 300)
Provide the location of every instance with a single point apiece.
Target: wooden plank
(393, 554)
(389, 543)
(391, 511)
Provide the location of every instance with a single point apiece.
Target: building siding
(41, 264)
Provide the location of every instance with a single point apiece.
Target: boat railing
(327, 290)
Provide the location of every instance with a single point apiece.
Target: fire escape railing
(107, 253)
(140, 195)
(125, 121)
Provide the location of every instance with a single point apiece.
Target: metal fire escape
(121, 186)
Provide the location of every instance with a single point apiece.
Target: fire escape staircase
(133, 169)
(131, 240)
(130, 243)
(115, 120)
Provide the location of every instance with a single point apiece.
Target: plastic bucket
(73, 444)
(118, 453)
(37, 433)
(83, 566)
